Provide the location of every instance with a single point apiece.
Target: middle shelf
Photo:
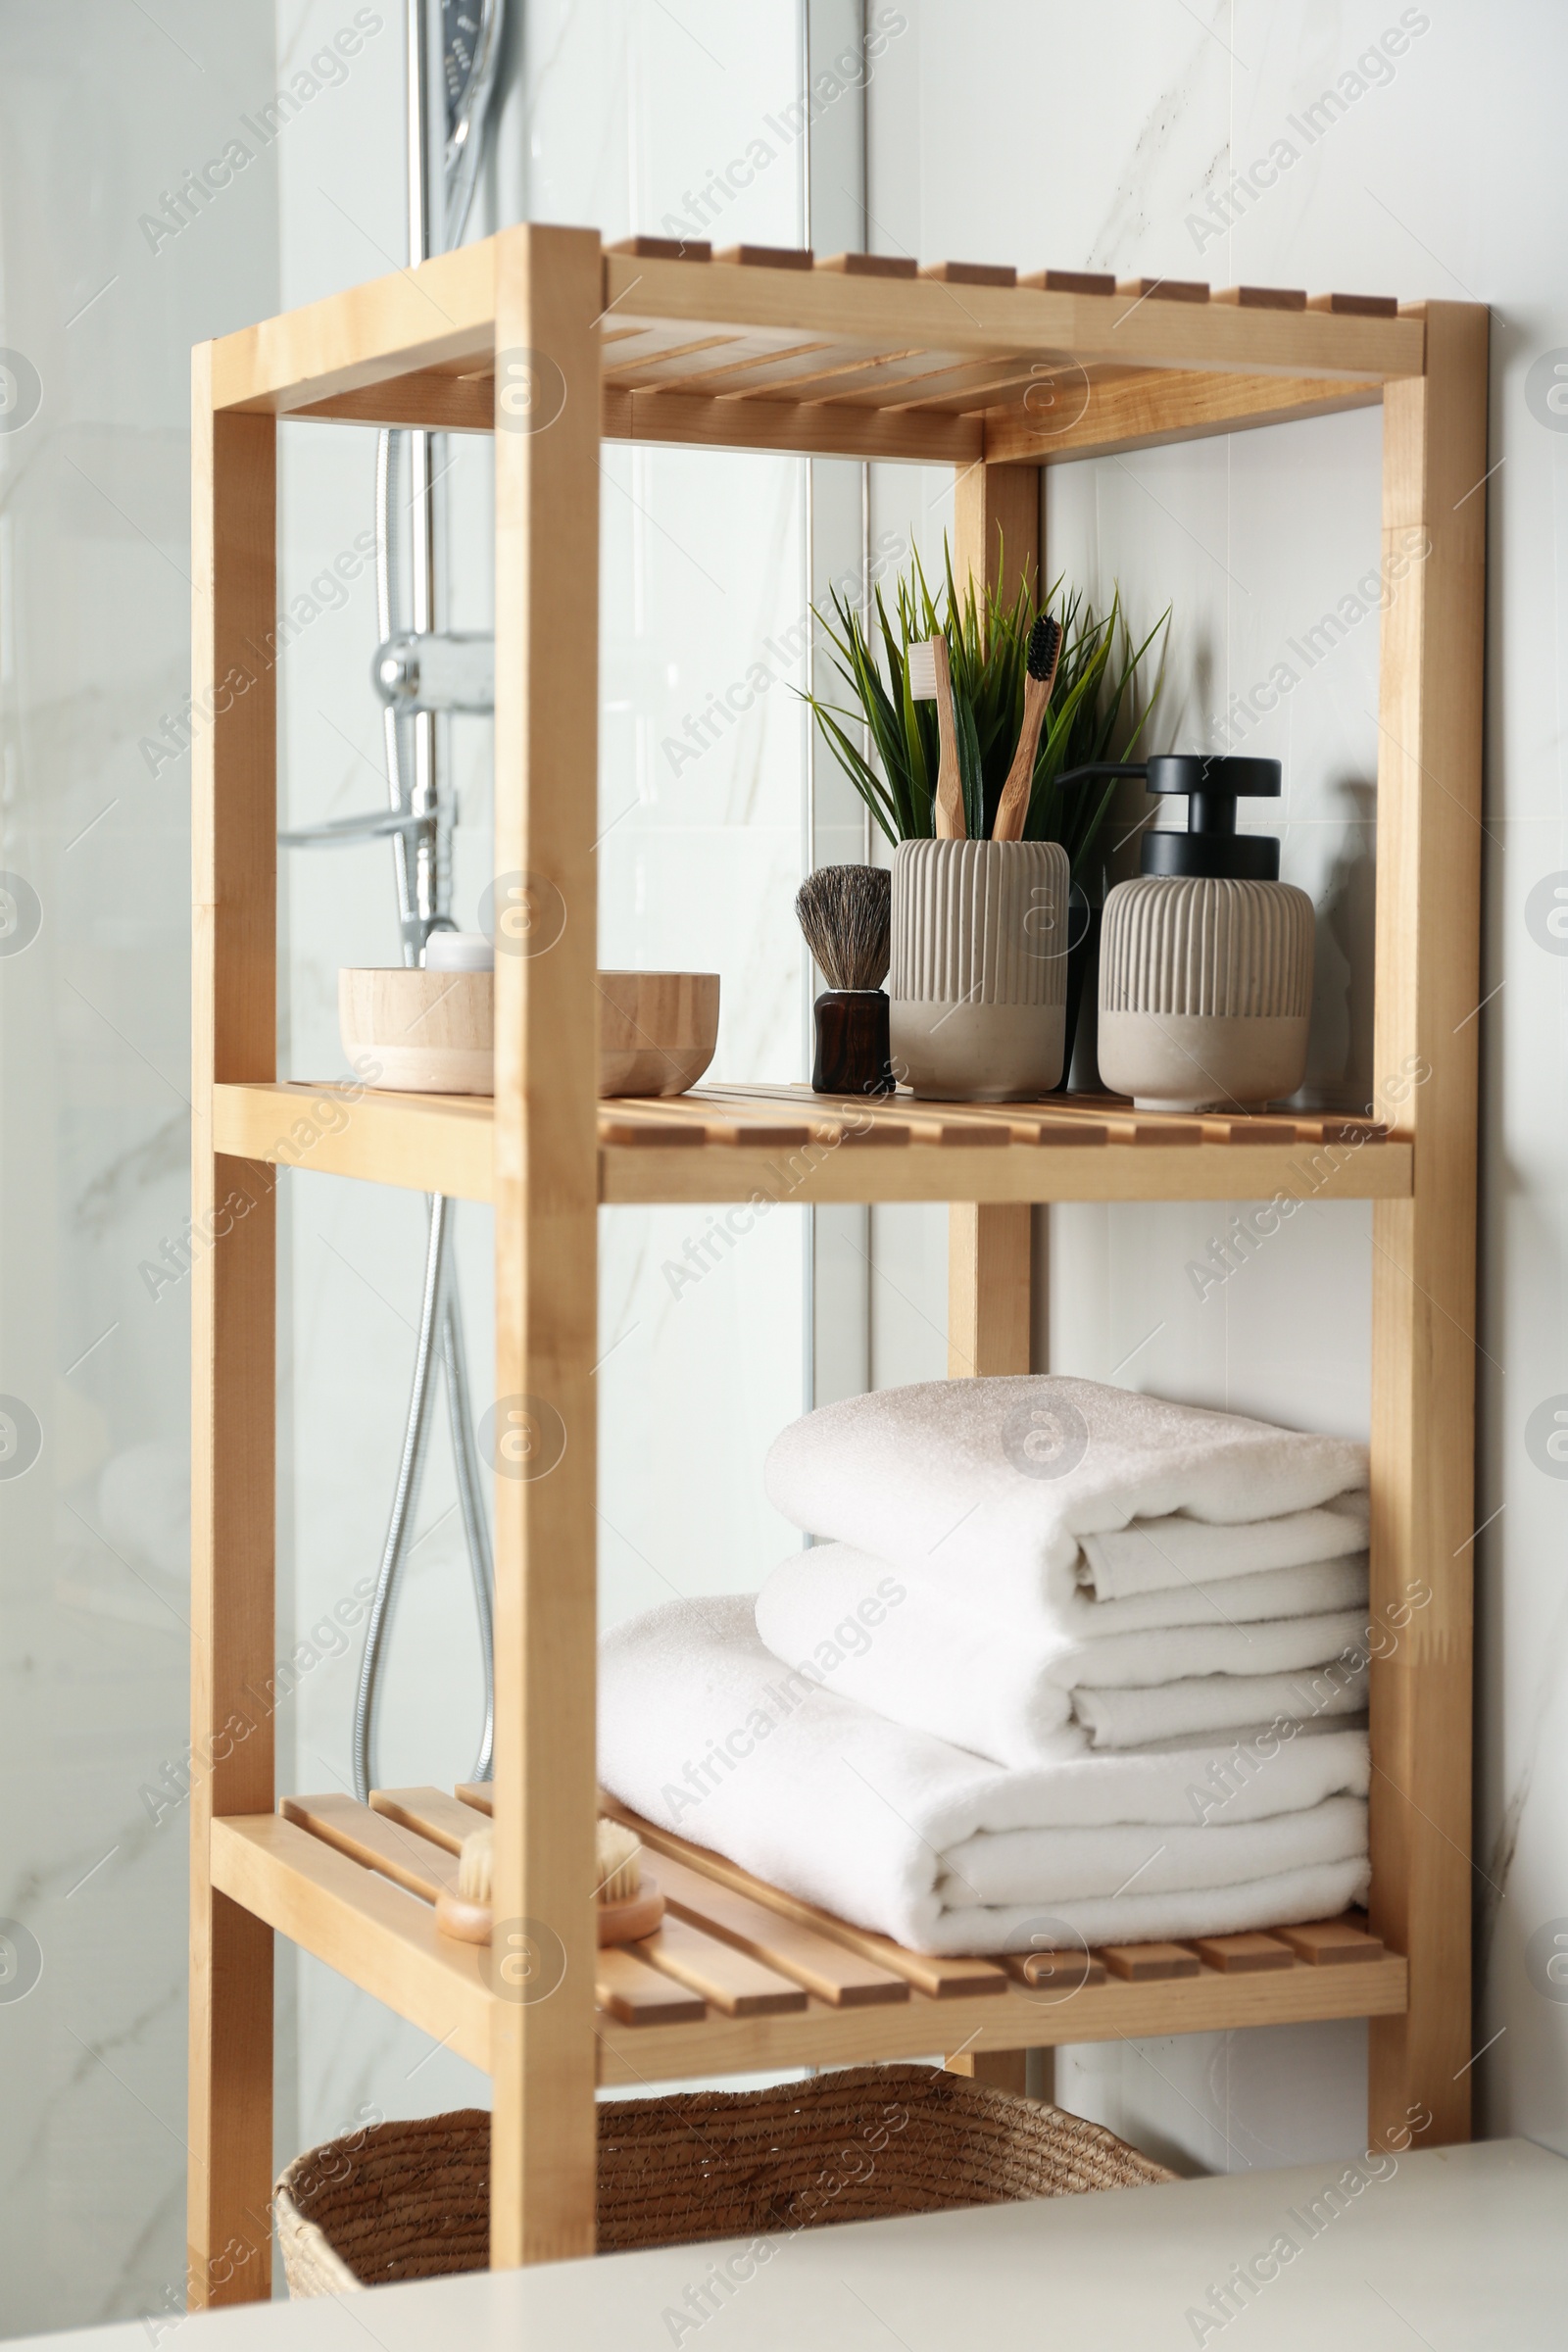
(742, 1978)
(784, 1144)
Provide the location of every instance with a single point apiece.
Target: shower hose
(421, 863)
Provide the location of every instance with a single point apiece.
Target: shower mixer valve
(427, 670)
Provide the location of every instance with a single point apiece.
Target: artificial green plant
(1094, 708)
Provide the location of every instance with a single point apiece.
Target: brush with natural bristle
(467, 1913)
(618, 1863)
(628, 1904)
(1044, 652)
(476, 1865)
(846, 913)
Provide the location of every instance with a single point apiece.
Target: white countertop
(1460, 2249)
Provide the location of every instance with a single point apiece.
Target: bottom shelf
(742, 1978)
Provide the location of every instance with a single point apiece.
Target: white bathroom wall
(1102, 138)
(102, 110)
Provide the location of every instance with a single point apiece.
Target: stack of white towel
(1072, 1664)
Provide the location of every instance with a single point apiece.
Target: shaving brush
(846, 914)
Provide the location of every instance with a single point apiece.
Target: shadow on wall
(1338, 1067)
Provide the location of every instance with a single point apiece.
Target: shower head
(470, 50)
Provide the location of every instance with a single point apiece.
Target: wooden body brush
(628, 1905)
(1044, 652)
(846, 914)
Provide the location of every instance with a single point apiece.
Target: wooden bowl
(432, 1032)
(656, 1030)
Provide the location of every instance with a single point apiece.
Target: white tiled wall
(97, 121)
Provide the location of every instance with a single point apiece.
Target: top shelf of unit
(860, 355)
(784, 1144)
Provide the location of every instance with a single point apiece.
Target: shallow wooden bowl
(433, 1033)
(429, 1033)
(656, 1030)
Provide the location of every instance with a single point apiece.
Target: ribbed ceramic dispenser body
(1205, 991)
(978, 984)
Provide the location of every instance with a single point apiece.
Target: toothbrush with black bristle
(1044, 652)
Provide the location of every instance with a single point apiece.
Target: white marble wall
(1102, 135)
(97, 119)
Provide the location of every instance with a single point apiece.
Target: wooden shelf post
(996, 544)
(234, 828)
(543, 2145)
(1424, 1248)
(990, 1245)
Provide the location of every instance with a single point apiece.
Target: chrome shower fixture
(433, 671)
(420, 672)
(470, 49)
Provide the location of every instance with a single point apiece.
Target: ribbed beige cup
(978, 982)
(1205, 991)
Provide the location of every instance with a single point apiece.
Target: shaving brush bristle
(846, 913)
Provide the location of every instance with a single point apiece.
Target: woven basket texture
(412, 2200)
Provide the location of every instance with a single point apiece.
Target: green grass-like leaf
(1097, 710)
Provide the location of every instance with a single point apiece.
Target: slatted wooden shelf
(786, 1144)
(864, 355)
(546, 338)
(741, 1977)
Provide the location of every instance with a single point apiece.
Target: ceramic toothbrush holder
(1205, 991)
(978, 982)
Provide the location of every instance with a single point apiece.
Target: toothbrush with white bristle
(931, 680)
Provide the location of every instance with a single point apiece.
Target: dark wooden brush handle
(853, 1050)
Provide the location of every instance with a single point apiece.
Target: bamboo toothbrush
(628, 1904)
(930, 678)
(1044, 652)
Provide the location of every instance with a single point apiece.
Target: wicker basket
(412, 2200)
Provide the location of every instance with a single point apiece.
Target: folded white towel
(1156, 1555)
(917, 1650)
(1204, 1707)
(1311, 1590)
(1079, 1865)
(704, 1731)
(997, 1481)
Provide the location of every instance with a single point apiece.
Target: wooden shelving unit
(643, 344)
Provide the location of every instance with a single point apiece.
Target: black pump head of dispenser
(1211, 846)
(1210, 849)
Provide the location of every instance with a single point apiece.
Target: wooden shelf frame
(785, 1144)
(818, 361)
(741, 1978)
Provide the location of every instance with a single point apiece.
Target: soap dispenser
(1205, 961)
